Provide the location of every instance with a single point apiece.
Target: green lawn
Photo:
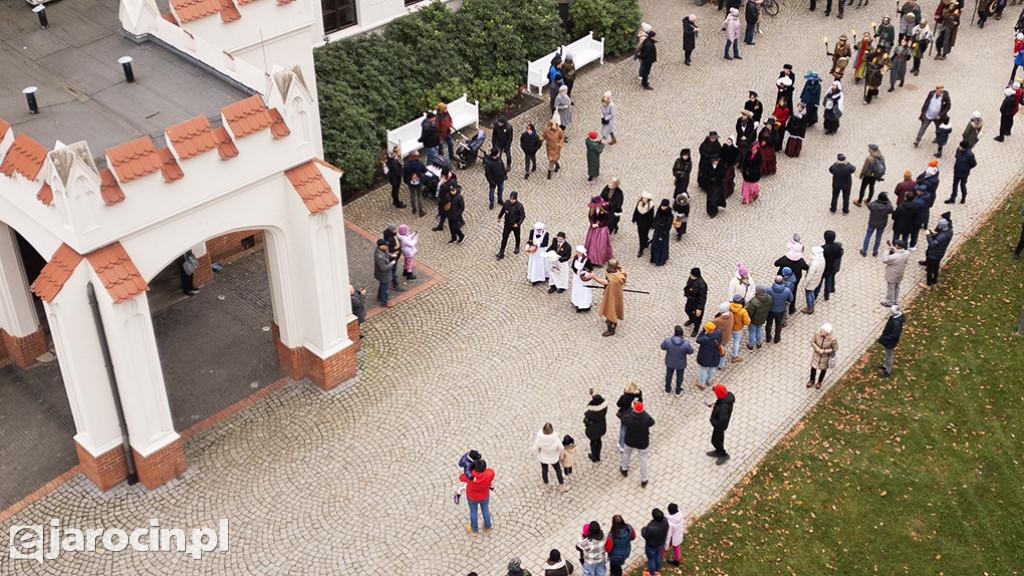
(919, 474)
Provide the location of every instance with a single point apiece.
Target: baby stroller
(432, 179)
(469, 149)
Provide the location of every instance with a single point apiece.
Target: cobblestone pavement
(359, 481)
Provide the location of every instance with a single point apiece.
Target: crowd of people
(805, 276)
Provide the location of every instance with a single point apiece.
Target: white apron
(559, 271)
(582, 297)
(537, 268)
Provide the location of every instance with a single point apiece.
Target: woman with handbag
(825, 347)
(608, 118)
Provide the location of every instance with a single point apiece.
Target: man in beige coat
(895, 260)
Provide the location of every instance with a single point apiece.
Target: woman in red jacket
(444, 129)
(478, 494)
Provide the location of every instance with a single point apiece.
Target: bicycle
(771, 7)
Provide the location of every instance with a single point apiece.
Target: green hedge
(375, 82)
(616, 20)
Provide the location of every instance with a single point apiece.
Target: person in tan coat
(825, 347)
(724, 321)
(553, 138)
(612, 304)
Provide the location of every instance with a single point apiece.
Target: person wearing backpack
(872, 171)
(619, 544)
(412, 174)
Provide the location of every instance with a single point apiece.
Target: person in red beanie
(721, 413)
(638, 437)
(595, 145)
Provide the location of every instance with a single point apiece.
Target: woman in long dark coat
(662, 230)
(709, 148)
(643, 217)
(730, 156)
(797, 128)
(833, 103)
(766, 142)
(681, 172)
(716, 173)
(811, 95)
(612, 194)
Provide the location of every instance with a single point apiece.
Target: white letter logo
(27, 543)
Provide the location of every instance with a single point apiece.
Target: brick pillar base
(161, 466)
(106, 470)
(25, 349)
(5, 358)
(325, 372)
(204, 274)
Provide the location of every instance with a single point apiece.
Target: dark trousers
(1005, 124)
(1020, 243)
(395, 200)
(679, 379)
(544, 472)
(645, 237)
(931, 271)
(866, 183)
(748, 34)
(187, 287)
(507, 151)
(504, 237)
(645, 71)
(828, 7)
(595, 448)
(718, 441)
(613, 223)
(821, 377)
(835, 198)
(776, 318)
(687, 54)
(691, 314)
(531, 159)
(455, 228)
(960, 181)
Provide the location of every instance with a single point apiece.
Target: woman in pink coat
(408, 242)
(732, 34)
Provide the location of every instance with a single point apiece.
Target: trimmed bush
(374, 82)
(616, 20)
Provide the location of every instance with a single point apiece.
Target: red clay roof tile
(314, 190)
(25, 157)
(189, 10)
(192, 137)
(251, 115)
(56, 272)
(117, 271)
(230, 13)
(110, 189)
(134, 159)
(225, 145)
(4, 127)
(170, 168)
(243, 2)
(170, 18)
(283, 2)
(45, 194)
(327, 164)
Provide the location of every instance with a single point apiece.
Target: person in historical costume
(598, 243)
(766, 142)
(910, 16)
(864, 49)
(558, 255)
(840, 57)
(745, 125)
(750, 167)
(781, 114)
(536, 245)
(886, 34)
(662, 230)
(595, 146)
(716, 172)
(730, 157)
(797, 128)
(754, 106)
(920, 38)
(612, 194)
(877, 64)
(898, 64)
(681, 213)
(643, 217)
(709, 148)
(681, 172)
(833, 107)
(612, 303)
(786, 83)
(947, 17)
(810, 96)
(582, 295)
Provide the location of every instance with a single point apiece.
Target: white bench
(406, 137)
(537, 71)
(584, 51)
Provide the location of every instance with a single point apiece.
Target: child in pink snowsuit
(408, 243)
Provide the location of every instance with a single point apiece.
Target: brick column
(327, 373)
(204, 274)
(161, 466)
(106, 470)
(19, 325)
(24, 349)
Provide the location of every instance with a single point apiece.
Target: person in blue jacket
(676, 350)
(781, 297)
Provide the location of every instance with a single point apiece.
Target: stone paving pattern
(359, 481)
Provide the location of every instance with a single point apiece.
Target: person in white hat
(537, 266)
(582, 297)
(825, 347)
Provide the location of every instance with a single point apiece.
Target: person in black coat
(637, 424)
(716, 177)
(595, 424)
(842, 182)
(647, 55)
(754, 106)
(514, 214)
(904, 218)
(444, 196)
(529, 141)
(709, 148)
(496, 174)
(394, 166)
(662, 230)
(721, 414)
(501, 138)
(690, 31)
(643, 217)
(681, 172)
(454, 209)
(612, 194)
(746, 127)
(965, 162)
(833, 259)
(1006, 110)
(623, 405)
(430, 136)
(696, 294)
(654, 535)
(890, 338)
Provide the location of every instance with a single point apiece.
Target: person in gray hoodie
(781, 297)
(676, 350)
(878, 220)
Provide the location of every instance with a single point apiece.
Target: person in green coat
(595, 145)
(758, 308)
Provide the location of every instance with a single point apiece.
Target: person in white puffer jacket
(549, 451)
(676, 528)
(815, 272)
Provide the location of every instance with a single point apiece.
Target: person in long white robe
(537, 267)
(582, 296)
